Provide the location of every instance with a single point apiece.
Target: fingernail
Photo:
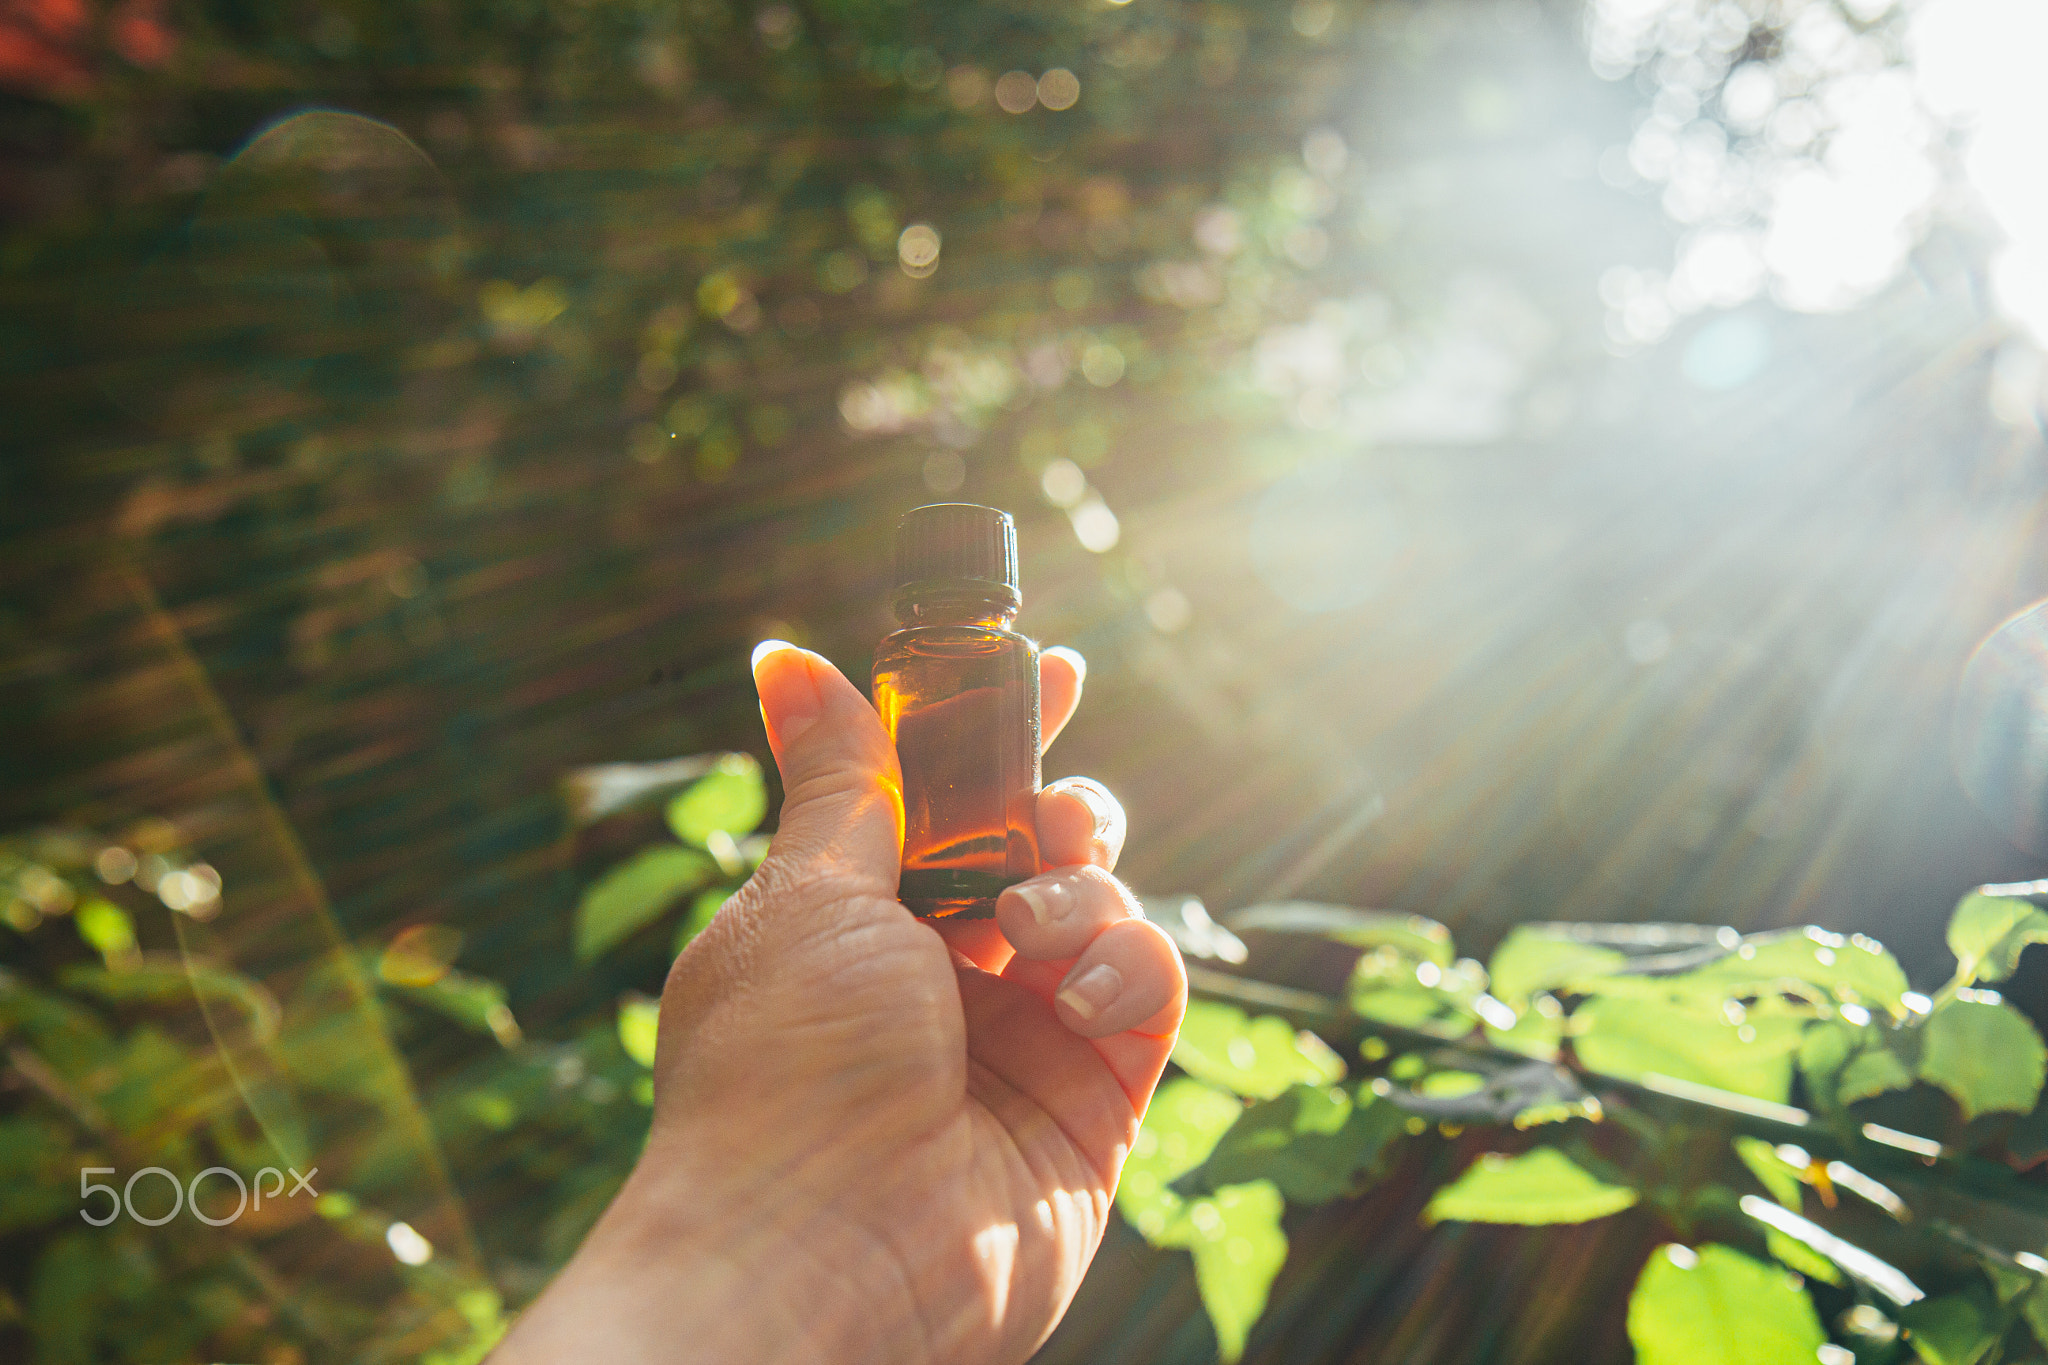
(1093, 991)
(1092, 794)
(1048, 898)
(1074, 660)
(789, 697)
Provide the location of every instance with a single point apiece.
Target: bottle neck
(987, 605)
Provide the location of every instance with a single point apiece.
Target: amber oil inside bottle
(957, 689)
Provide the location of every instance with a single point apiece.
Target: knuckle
(1104, 884)
(836, 780)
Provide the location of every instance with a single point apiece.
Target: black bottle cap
(953, 546)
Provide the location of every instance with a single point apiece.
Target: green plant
(1593, 1071)
(714, 815)
(139, 1039)
(137, 1050)
(1647, 1072)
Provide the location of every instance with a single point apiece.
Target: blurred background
(1502, 459)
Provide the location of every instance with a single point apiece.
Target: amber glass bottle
(958, 691)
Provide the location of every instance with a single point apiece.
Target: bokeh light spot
(1102, 364)
(407, 1244)
(114, 865)
(1059, 89)
(1168, 610)
(1095, 526)
(968, 86)
(1311, 18)
(1016, 92)
(843, 271)
(917, 250)
(1063, 483)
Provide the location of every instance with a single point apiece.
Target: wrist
(686, 1267)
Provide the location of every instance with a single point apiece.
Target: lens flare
(2001, 728)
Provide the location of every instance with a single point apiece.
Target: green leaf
(1986, 1055)
(1794, 1254)
(1855, 970)
(1824, 1050)
(1258, 1058)
(1450, 1085)
(1531, 960)
(485, 1312)
(1991, 927)
(1390, 987)
(2026, 1142)
(176, 983)
(418, 955)
(474, 1002)
(1955, 1329)
(1538, 1030)
(1631, 1038)
(639, 1024)
(1845, 1063)
(1716, 1306)
(1423, 940)
(1778, 1179)
(2034, 1308)
(107, 930)
(1312, 1142)
(1410, 1005)
(591, 794)
(731, 799)
(162, 1086)
(1872, 1073)
(1540, 1186)
(2007, 1282)
(1182, 1126)
(635, 893)
(490, 1109)
(1238, 1248)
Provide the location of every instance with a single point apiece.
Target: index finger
(1061, 671)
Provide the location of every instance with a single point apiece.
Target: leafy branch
(1646, 1071)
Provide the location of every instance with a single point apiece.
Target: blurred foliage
(120, 1064)
(1660, 1088)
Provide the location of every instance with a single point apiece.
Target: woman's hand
(875, 1139)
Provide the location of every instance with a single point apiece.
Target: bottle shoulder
(952, 639)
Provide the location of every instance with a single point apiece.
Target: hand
(875, 1138)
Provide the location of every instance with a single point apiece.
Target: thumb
(842, 792)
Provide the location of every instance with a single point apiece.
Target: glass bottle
(957, 689)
